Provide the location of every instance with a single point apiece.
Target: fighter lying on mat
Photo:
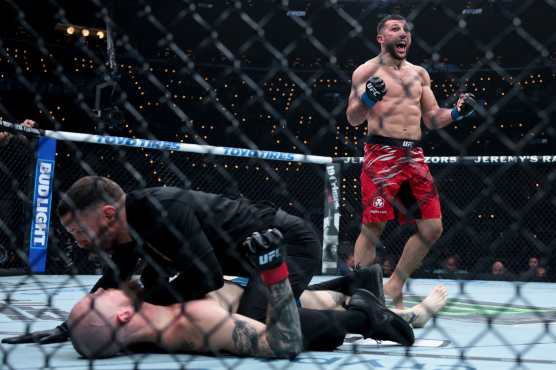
(206, 325)
(109, 321)
(106, 322)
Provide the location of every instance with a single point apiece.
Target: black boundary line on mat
(450, 357)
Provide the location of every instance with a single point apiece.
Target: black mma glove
(375, 89)
(265, 251)
(465, 106)
(56, 335)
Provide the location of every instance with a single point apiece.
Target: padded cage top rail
(166, 145)
(254, 153)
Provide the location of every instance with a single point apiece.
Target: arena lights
(72, 29)
(473, 7)
(297, 8)
(472, 11)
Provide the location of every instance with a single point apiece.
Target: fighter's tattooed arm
(282, 336)
(245, 338)
(282, 321)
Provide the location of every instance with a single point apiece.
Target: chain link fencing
(485, 221)
(16, 182)
(275, 75)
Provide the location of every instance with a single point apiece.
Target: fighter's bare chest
(401, 83)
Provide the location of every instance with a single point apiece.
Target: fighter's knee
(431, 234)
(372, 231)
(437, 232)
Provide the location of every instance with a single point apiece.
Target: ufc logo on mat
(267, 258)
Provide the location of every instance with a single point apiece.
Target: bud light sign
(42, 200)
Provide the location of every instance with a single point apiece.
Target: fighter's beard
(391, 49)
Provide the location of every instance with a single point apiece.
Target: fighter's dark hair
(389, 17)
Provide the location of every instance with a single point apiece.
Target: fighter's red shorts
(394, 180)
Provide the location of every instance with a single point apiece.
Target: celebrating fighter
(392, 95)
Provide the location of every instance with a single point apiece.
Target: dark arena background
(260, 87)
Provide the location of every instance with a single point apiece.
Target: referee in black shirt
(187, 239)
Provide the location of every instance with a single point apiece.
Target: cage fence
(274, 77)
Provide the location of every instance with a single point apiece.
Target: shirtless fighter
(392, 96)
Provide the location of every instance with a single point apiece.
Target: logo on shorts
(378, 202)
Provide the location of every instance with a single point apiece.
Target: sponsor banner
(138, 143)
(331, 225)
(482, 159)
(497, 159)
(191, 148)
(42, 199)
(168, 145)
(263, 154)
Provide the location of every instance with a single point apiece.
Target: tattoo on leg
(245, 338)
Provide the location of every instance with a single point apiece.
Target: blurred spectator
(388, 265)
(540, 274)
(496, 271)
(345, 258)
(451, 268)
(499, 271)
(532, 265)
(498, 268)
(16, 157)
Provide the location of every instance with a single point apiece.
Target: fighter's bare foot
(430, 306)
